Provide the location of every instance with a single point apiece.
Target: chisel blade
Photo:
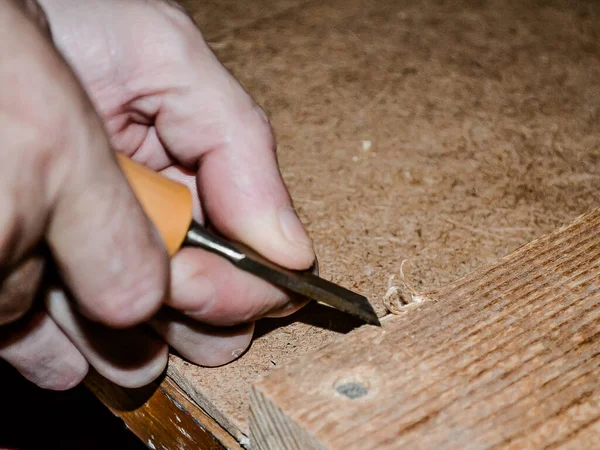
(311, 286)
(304, 283)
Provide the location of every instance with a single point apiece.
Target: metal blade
(313, 287)
(301, 282)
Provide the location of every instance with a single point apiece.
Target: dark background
(36, 419)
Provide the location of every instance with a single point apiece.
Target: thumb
(245, 196)
(231, 145)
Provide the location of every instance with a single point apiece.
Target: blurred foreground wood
(162, 416)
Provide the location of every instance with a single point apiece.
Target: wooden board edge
(162, 416)
(195, 396)
(273, 427)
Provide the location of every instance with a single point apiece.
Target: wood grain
(506, 357)
(162, 416)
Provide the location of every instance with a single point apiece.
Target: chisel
(169, 206)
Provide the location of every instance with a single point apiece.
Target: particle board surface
(507, 357)
(484, 124)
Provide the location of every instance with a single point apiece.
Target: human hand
(60, 186)
(167, 102)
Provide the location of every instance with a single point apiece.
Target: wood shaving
(398, 298)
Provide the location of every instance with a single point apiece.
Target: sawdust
(398, 298)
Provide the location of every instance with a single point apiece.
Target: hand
(165, 101)
(60, 186)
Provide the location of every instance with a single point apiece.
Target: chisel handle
(167, 204)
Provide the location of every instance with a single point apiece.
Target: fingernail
(292, 228)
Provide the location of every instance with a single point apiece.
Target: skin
(78, 81)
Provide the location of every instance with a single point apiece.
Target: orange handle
(168, 204)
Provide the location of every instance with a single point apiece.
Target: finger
(242, 190)
(109, 255)
(199, 343)
(19, 288)
(210, 289)
(210, 124)
(193, 272)
(130, 358)
(140, 138)
(42, 353)
(60, 180)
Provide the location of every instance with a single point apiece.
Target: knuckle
(49, 146)
(41, 144)
(33, 135)
(34, 128)
(260, 124)
(264, 118)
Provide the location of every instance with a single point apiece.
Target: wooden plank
(506, 357)
(162, 416)
(483, 118)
